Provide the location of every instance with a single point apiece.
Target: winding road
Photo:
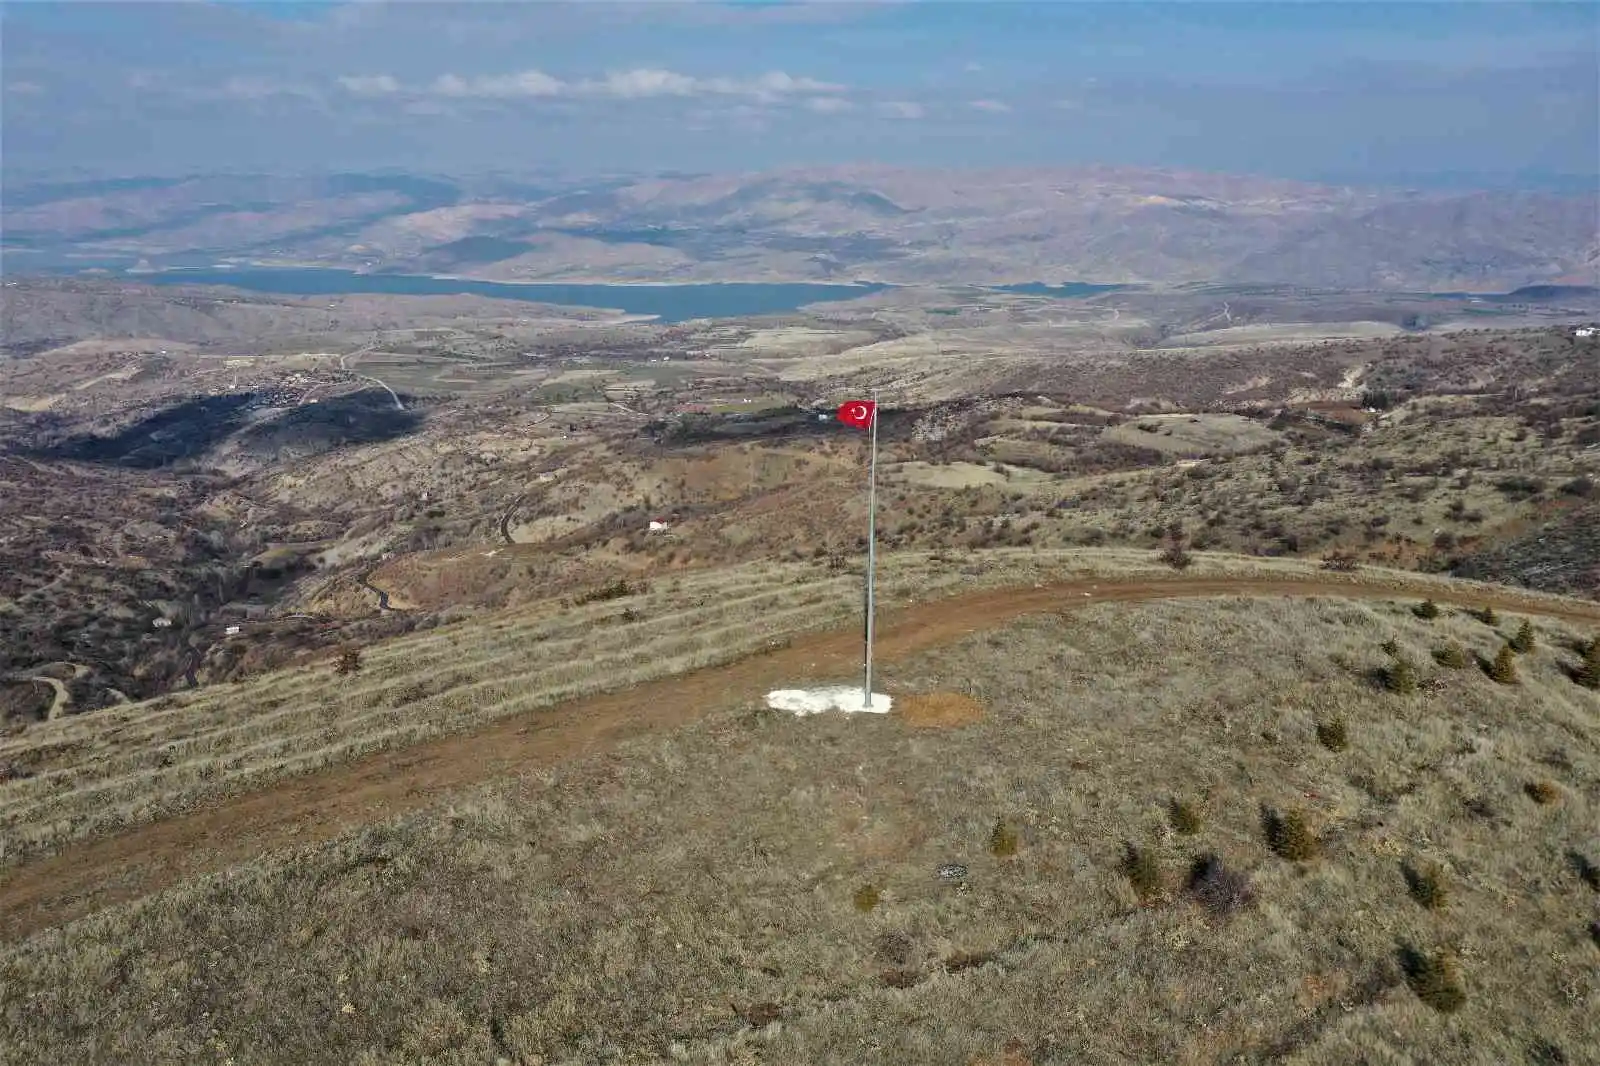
(94, 874)
(383, 597)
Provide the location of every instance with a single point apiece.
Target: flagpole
(872, 545)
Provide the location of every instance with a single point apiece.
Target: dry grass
(669, 901)
(938, 710)
(95, 773)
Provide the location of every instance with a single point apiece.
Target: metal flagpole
(872, 545)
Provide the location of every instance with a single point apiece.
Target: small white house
(162, 623)
(231, 631)
(658, 527)
(1584, 331)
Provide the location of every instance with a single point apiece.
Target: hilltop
(1073, 784)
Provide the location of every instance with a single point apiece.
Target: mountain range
(888, 224)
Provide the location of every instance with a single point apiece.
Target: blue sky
(1391, 91)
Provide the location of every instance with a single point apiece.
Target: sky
(1425, 94)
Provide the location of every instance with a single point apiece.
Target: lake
(1067, 290)
(669, 303)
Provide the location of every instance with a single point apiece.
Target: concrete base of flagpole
(845, 699)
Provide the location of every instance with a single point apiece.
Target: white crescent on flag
(858, 413)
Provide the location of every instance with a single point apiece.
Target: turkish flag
(858, 413)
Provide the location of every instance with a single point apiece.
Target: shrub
(1426, 885)
(1504, 667)
(1185, 817)
(1434, 979)
(1543, 793)
(1451, 656)
(894, 946)
(1400, 676)
(1216, 888)
(1334, 734)
(1582, 487)
(1390, 647)
(614, 589)
(1340, 561)
(1290, 837)
(349, 661)
(1588, 672)
(1002, 840)
(1488, 617)
(866, 897)
(1427, 610)
(1176, 553)
(1587, 871)
(1522, 641)
(1143, 872)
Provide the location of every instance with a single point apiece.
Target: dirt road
(88, 876)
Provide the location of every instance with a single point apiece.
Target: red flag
(858, 413)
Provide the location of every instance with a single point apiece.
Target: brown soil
(86, 877)
(938, 710)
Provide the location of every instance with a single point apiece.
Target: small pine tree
(1504, 667)
(1451, 656)
(1002, 840)
(1544, 793)
(349, 661)
(1427, 610)
(1588, 674)
(1176, 553)
(1290, 837)
(1401, 676)
(1334, 734)
(1143, 871)
(1488, 617)
(1185, 818)
(1435, 980)
(1426, 885)
(1522, 642)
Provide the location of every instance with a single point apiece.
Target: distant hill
(1102, 224)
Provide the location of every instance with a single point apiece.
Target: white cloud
(997, 107)
(500, 87)
(24, 88)
(637, 84)
(371, 85)
(241, 87)
(973, 68)
(828, 105)
(643, 82)
(900, 109)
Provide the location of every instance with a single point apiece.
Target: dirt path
(383, 597)
(304, 810)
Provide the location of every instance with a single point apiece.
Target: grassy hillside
(756, 888)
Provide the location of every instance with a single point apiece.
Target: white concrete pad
(843, 698)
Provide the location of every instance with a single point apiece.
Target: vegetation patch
(1435, 978)
(938, 710)
(1143, 871)
(1289, 835)
(1220, 889)
(1426, 883)
(1185, 817)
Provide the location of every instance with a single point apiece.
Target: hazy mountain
(1109, 224)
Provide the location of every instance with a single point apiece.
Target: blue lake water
(1067, 290)
(669, 303)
